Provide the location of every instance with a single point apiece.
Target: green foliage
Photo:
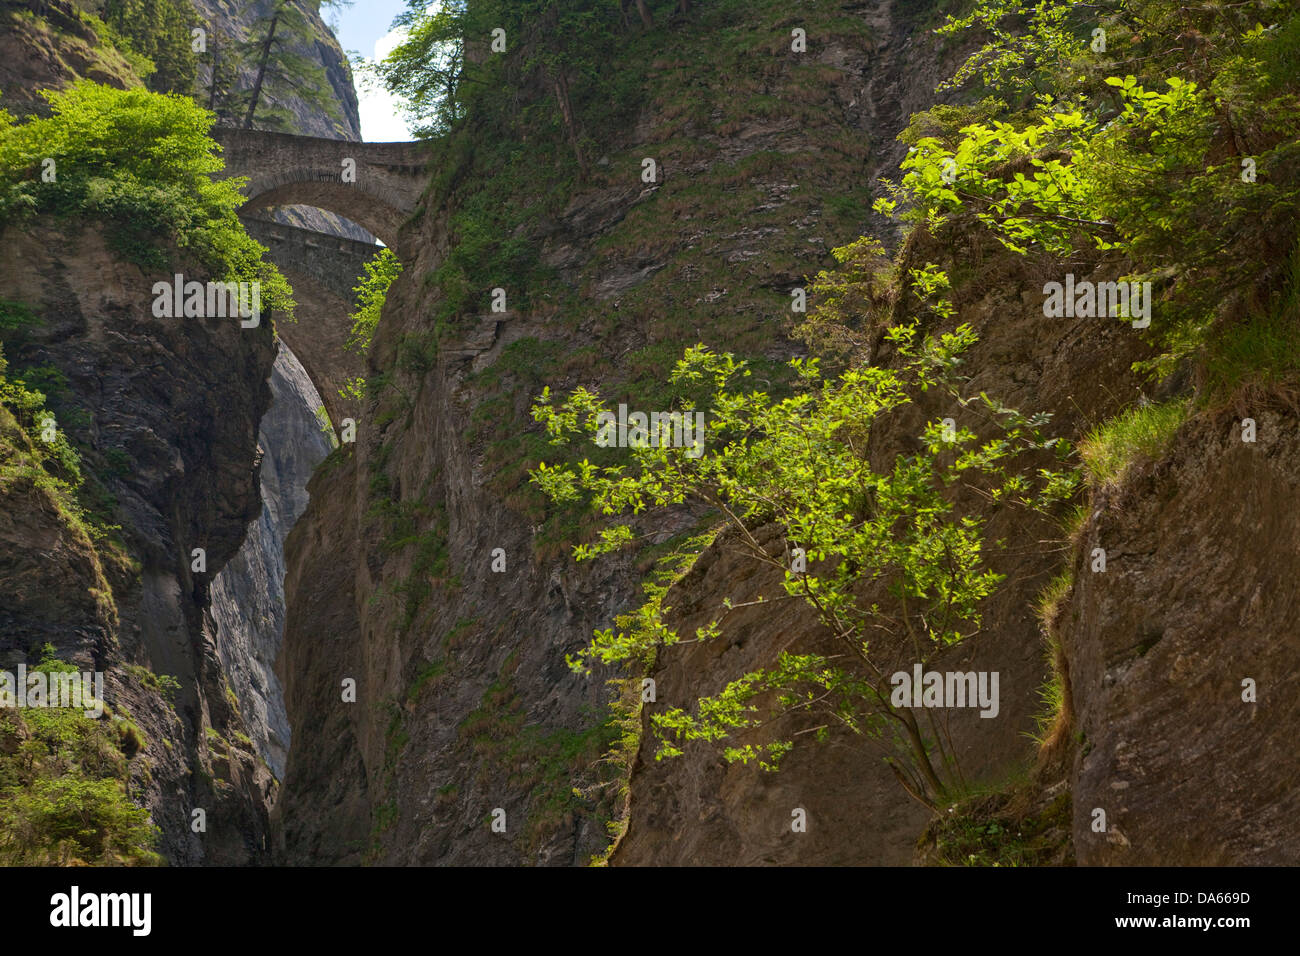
(426, 67)
(431, 672)
(15, 319)
(353, 390)
(371, 290)
(1264, 349)
(38, 450)
(563, 55)
(562, 45)
(63, 787)
(323, 421)
(35, 451)
(1140, 433)
(164, 684)
(1180, 169)
(67, 819)
(998, 830)
(853, 301)
(1026, 46)
(800, 462)
(160, 31)
(57, 455)
(140, 162)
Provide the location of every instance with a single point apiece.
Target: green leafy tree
(63, 787)
(426, 67)
(1190, 184)
(225, 63)
(895, 556)
(447, 67)
(371, 292)
(159, 30)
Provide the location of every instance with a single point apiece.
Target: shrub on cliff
(854, 533)
(1151, 135)
(372, 290)
(140, 163)
(63, 789)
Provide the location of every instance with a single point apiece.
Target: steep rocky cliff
(464, 703)
(450, 601)
(373, 666)
(1079, 372)
(167, 412)
(248, 596)
(1183, 652)
(176, 415)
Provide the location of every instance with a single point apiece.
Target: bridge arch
(283, 169)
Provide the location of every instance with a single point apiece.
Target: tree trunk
(261, 73)
(922, 756)
(646, 18)
(561, 83)
(212, 92)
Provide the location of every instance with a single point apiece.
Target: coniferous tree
(223, 84)
(160, 30)
(280, 70)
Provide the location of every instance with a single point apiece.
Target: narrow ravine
(248, 594)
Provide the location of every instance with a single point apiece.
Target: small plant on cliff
(1140, 432)
(890, 560)
(372, 291)
(63, 787)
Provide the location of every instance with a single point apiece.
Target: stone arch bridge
(282, 170)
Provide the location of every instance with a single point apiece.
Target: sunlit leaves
(801, 462)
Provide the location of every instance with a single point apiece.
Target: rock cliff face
(465, 711)
(464, 703)
(248, 597)
(698, 810)
(1183, 652)
(37, 54)
(429, 602)
(231, 22)
(179, 416)
(168, 410)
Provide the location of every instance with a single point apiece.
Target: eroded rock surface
(1197, 598)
